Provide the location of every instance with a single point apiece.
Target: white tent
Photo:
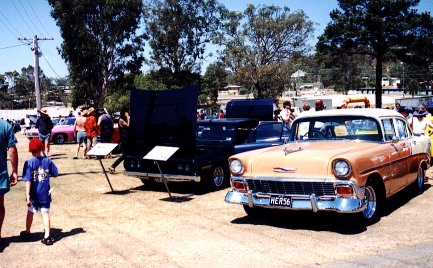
(298, 74)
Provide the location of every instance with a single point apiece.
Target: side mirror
(395, 139)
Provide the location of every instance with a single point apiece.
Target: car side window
(402, 131)
(302, 131)
(389, 129)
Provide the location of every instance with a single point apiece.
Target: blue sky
(26, 18)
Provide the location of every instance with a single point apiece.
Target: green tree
(383, 29)
(413, 87)
(260, 41)
(100, 44)
(213, 80)
(179, 31)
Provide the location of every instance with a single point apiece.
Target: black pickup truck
(168, 118)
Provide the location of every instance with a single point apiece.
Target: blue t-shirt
(38, 171)
(7, 140)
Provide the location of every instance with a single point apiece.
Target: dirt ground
(138, 226)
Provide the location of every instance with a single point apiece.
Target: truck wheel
(218, 177)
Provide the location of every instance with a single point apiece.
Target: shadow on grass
(186, 188)
(120, 192)
(306, 220)
(347, 224)
(57, 234)
(178, 199)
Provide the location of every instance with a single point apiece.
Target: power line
(6, 19)
(30, 18)
(52, 69)
(37, 17)
(15, 46)
(19, 13)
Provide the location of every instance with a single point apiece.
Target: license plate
(280, 201)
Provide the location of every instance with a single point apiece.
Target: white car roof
(370, 112)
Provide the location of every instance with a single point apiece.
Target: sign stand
(161, 153)
(101, 150)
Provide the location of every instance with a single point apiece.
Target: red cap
(319, 102)
(36, 145)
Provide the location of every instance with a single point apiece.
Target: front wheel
(256, 212)
(218, 177)
(59, 139)
(374, 203)
(418, 184)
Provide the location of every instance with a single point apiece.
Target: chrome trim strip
(169, 177)
(365, 171)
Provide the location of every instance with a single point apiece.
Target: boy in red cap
(36, 174)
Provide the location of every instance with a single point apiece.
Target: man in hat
(420, 122)
(320, 106)
(80, 133)
(7, 147)
(44, 125)
(406, 113)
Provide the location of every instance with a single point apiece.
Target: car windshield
(67, 121)
(335, 128)
(215, 133)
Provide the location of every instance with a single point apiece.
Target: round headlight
(236, 166)
(341, 168)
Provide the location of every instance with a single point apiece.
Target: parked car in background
(266, 134)
(346, 161)
(61, 133)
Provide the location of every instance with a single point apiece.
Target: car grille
(291, 187)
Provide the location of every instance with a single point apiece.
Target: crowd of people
(214, 115)
(417, 119)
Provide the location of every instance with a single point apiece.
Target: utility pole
(37, 54)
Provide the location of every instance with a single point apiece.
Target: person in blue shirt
(36, 174)
(7, 147)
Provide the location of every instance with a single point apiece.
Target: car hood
(162, 117)
(299, 160)
(58, 127)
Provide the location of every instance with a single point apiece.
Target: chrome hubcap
(218, 176)
(370, 198)
(420, 178)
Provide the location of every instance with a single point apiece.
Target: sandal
(112, 170)
(47, 241)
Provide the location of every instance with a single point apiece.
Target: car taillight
(239, 185)
(344, 190)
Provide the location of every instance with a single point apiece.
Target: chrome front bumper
(342, 204)
(157, 176)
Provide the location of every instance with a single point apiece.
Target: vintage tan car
(346, 161)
